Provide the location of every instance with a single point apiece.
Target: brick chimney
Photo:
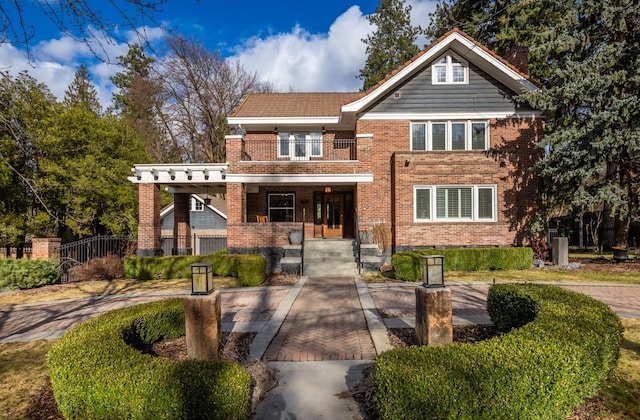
(519, 57)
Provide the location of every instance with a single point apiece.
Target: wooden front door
(333, 217)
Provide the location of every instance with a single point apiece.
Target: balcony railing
(299, 150)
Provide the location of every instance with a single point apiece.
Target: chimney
(519, 57)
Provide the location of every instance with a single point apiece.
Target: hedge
(27, 274)
(98, 371)
(249, 269)
(408, 265)
(541, 370)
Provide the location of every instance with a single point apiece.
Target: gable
(418, 95)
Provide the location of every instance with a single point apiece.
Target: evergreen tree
(503, 25)
(391, 44)
(82, 92)
(592, 96)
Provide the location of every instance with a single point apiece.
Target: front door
(333, 219)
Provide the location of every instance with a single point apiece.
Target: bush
(408, 265)
(27, 274)
(249, 269)
(104, 268)
(541, 370)
(97, 371)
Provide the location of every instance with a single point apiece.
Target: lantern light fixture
(433, 269)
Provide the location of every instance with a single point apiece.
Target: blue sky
(295, 45)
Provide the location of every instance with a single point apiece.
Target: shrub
(541, 370)
(249, 269)
(27, 274)
(97, 371)
(408, 265)
(104, 268)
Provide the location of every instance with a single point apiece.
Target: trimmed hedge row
(408, 265)
(249, 269)
(98, 372)
(27, 274)
(541, 370)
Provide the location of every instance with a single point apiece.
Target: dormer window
(449, 69)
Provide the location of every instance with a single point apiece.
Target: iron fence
(200, 244)
(80, 252)
(299, 149)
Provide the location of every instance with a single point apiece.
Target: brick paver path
(325, 322)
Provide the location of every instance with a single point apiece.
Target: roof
(312, 104)
(339, 110)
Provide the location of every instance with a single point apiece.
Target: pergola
(181, 180)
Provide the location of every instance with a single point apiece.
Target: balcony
(299, 150)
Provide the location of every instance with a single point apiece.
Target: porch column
(149, 220)
(181, 224)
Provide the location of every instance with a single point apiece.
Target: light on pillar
(201, 279)
(433, 269)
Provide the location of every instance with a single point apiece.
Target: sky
(295, 45)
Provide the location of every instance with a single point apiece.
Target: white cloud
(304, 62)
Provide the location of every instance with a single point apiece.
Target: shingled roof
(313, 104)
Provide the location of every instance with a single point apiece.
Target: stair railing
(357, 235)
(304, 218)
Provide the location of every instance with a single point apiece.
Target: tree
(26, 109)
(392, 42)
(139, 101)
(200, 90)
(80, 19)
(82, 92)
(592, 96)
(502, 25)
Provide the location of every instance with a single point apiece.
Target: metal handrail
(294, 150)
(304, 218)
(357, 235)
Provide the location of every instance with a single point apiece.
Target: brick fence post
(45, 248)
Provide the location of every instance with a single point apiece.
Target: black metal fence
(80, 252)
(200, 244)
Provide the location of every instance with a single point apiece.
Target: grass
(23, 374)
(544, 276)
(102, 288)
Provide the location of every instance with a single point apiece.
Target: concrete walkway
(320, 334)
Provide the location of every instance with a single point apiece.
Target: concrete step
(332, 270)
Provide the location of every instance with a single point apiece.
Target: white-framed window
(196, 205)
(450, 135)
(455, 203)
(450, 69)
(300, 146)
(282, 207)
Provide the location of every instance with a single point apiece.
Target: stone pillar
(202, 326)
(149, 220)
(45, 248)
(560, 251)
(181, 224)
(434, 317)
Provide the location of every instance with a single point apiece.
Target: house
(208, 222)
(435, 155)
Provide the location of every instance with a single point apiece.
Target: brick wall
(149, 226)
(506, 166)
(45, 248)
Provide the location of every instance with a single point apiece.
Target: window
(449, 70)
(196, 205)
(299, 146)
(455, 203)
(282, 207)
(450, 135)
